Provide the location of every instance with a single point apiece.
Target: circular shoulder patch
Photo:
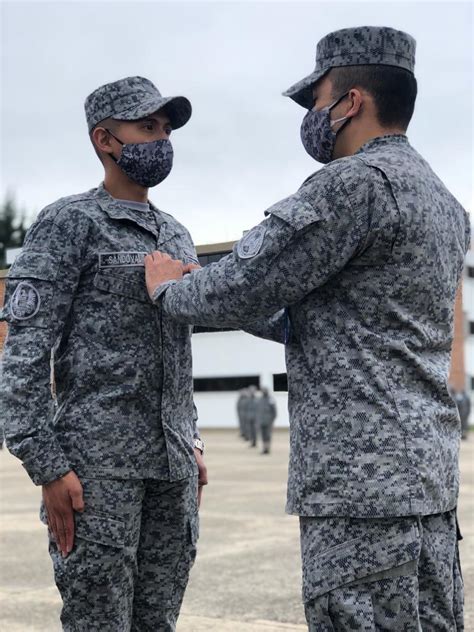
(25, 302)
(251, 243)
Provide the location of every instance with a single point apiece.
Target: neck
(122, 188)
(348, 144)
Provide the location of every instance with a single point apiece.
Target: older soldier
(118, 462)
(364, 259)
(266, 413)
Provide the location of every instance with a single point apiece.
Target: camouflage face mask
(316, 132)
(147, 164)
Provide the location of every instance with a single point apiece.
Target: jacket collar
(383, 141)
(155, 221)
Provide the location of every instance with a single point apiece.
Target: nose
(162, 134)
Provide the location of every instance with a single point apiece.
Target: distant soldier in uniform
(463, 402)
(251, 410)
(357, 272)
(118, 458)
(266, 414)
(241, 412)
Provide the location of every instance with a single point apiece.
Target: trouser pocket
(96, 579)
(360, 574)
(186, 560)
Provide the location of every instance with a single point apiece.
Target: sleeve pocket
(34, 265)
(381, 550)
(296, 211)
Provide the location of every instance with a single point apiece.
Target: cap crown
(366, 45)
(116, 98)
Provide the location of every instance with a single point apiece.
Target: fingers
(77, 498)
(202, 474)
(199, 495)
(61, 498)
(156, 257)
(189, 267)
(62, 529)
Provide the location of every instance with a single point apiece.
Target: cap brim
(302, 92)
(177, 108)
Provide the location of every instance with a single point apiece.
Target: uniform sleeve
(275, 328)
(189, 255)
(305, 240)
(39, 291)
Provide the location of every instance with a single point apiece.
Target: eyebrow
(153, 120)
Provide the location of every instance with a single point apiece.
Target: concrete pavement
(247, 576)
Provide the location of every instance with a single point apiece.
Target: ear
(357, 98)
(102, 140)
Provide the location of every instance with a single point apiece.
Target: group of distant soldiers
(256, 411)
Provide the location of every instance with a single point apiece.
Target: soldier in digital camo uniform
(119, 458)
(357, 272)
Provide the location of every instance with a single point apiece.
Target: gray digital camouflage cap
(133, 98)
(357, 46)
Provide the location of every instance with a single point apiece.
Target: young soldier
(118, 459)
(363, 263)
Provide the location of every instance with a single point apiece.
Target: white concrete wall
(231, 354)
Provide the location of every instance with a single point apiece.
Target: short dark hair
(393, 90)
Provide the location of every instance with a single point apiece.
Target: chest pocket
(130, 285)
(30, 289)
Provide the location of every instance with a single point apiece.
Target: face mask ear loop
(342, 117)
(333, 105)
(117, 139)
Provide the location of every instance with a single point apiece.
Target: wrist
(198, 444)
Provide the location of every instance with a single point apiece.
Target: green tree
(12, 227)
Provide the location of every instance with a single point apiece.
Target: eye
(168, 129)
(149, 126)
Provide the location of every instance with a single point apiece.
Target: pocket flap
(121, 286)
(101, 529)
(296, 211)
(384, 548)
(34, 265)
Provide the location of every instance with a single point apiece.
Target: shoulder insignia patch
(121, 259)
(25, 301)
(251, 242)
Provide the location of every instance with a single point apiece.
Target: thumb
(77, 498)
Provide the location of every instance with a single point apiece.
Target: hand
(202, 480)
(62, 498)
(159, 268)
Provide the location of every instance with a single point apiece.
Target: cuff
(41, 474)
(160, 290)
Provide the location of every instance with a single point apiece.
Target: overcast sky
(241, 150)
